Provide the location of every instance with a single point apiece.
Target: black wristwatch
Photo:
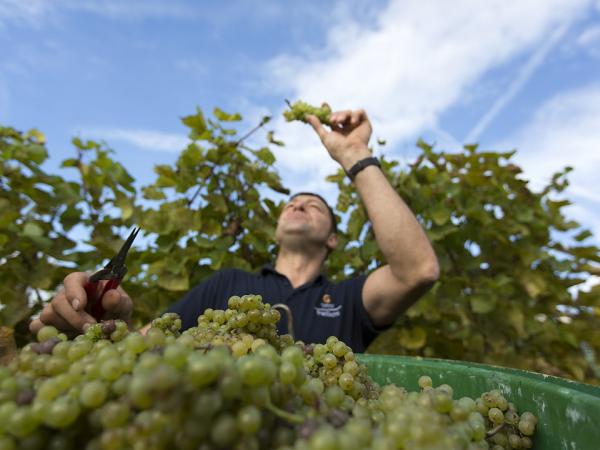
(360, 165)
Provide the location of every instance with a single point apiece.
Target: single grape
(249, 419)
(61, 413)
(114, 414)
(346, 382)
(201, 370)
(496, 416)
(329, 360)
(224, 430)
(93, 394)
(22, 422)
(527, 427)
(46, 332)
(287, 372)
(334, 396)
(425, 381)
(514, 441)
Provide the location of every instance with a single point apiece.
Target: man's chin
(296, 228)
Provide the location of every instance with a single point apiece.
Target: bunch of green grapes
(169, 323)
(229, 383)
(334, 364)
(299, 110)
(243, 326)
(510, 429)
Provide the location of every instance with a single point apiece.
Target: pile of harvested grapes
(230, 383)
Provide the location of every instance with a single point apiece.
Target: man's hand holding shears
(86, 299)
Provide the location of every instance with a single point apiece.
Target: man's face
(304, 217)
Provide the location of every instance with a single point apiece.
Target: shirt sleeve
(368, 330)
(202, 296)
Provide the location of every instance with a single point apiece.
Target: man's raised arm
(412, 267)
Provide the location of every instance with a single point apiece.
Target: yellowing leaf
(174, 282)
(124, 204)
(413, 338)
(32, 230)
(8, 348)
(516, 318)
(533, 284)
(38, 135)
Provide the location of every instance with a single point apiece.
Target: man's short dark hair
(331, 214)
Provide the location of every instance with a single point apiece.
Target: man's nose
(299, 206)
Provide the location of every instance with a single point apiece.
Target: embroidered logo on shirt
(327, 308)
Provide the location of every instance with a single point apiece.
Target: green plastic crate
(568, 412)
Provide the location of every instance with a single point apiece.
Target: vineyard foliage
(508, 255)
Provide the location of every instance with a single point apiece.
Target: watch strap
(360, 165)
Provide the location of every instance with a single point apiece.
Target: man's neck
(299, 268)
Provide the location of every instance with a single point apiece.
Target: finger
(76, 319)
(74, 290)
(36, 326)
(357, 117)
(317, 126)
(340, 117)
(117, 304)
(50, 317)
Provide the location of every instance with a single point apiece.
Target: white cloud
(589, 36)
(565, 131)
(528, 69)
(418, 59)
(31, 12)
(589, 40)
(144, 139)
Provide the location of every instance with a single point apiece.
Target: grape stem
(292, 418)
(493, 431)
(290, 319)
(205, 347)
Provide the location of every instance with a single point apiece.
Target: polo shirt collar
(269, 268)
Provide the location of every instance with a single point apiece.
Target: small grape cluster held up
(299, 110)
(231, 382)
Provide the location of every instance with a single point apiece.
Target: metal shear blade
(116, 266)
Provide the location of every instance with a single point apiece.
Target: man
(355, 310)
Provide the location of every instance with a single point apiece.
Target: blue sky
(522, 75)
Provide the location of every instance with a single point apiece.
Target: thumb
(317, 126)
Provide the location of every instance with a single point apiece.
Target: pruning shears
(114, 272)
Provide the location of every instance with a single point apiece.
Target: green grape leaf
(482, 304)
(196, 122)
(32, 230)
(225, 117)
(440, 214)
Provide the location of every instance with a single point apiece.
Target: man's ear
(332, 242)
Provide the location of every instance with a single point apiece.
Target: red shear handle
(94, 296)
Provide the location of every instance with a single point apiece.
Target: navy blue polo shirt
(320, 307)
